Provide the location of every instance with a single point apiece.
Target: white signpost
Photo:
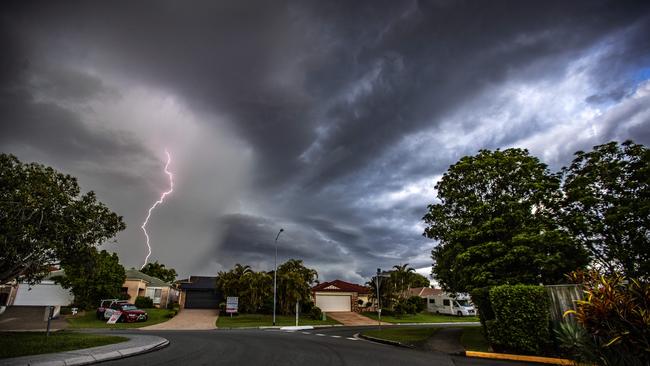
(232, 303)
(114, 316)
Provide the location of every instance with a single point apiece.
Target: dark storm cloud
(332, 98)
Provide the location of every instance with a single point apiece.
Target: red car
(105, 304)
(129, 313)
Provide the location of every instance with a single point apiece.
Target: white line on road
(320, 334)
(335, 336)
(352, 339)
(305, 333)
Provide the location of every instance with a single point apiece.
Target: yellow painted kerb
(505, 356)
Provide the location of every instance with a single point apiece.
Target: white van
(451, 304)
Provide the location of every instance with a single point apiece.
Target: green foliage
(521, 322)
(395, 287)
(45, 219)
(616, 314)
(403, 307)
(481, 299)
(496, 224)
(316, 313)
(294, 284)
(92, 276)
(255, 289)
(158, 270)
(144, 302)
(418, 302)
(607, 206)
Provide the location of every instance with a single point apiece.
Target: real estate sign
(232, 303)
(114, 317)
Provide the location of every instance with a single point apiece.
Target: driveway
(28, 318)
(351, 318)
(189, 319)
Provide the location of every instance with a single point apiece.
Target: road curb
(385, 341)
(89, 356)
(447, 323)
(279, 327)
(510, 357)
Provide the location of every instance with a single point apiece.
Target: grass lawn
(411, 336)
(31, 343)
(89, 320)
(472, 339)
(258, 320)
(423, 318)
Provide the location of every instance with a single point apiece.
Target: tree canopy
(255, 289)
(158, 270)
(495, 223)
(44, 219)
(607, 206)
(93, 276)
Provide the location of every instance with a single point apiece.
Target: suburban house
(424, 291)
(140, 284)
(339, 295)
(199, 292)
(37, 296)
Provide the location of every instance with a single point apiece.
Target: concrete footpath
(136, 344)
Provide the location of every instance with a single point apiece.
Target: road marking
(352, 339)
(335, 336)
(320, 334)
(305, 333)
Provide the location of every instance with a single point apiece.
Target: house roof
(341, 286)
(134, 274)
(424, 291)
(199, 283)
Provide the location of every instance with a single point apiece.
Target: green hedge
(481, 298)
(143, 302)
(521, 319)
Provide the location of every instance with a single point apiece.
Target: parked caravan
(451, 304)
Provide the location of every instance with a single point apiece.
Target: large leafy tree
(495, 224)
(159, 270)
(44, 219)
(607, 206)
(294, 284)
(92, 276)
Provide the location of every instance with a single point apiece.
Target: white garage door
(333, 303)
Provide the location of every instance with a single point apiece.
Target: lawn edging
(384, 341)
(279, 327)
(511, 357)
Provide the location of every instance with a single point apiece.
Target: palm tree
(402, 278)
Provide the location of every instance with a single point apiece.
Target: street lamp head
(281, 230)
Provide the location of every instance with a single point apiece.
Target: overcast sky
(331, 119)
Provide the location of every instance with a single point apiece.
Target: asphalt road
(318, 347)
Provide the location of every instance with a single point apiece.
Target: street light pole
(378, 299)
(275, 274)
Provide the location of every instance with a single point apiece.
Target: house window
(125, 290)
(155, 294)
(445, 302)
(432, 301)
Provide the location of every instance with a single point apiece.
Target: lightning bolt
(160, 200)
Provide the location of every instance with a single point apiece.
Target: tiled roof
(424, 291)
(340, 286)
(134, 274)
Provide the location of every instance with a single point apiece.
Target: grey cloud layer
(340, 103)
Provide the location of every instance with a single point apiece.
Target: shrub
(315, 313)
(402, 307)
(481, 298)
(420, 303)
(124, 296)
(521, 319)
(143, 302)
(615, 314)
